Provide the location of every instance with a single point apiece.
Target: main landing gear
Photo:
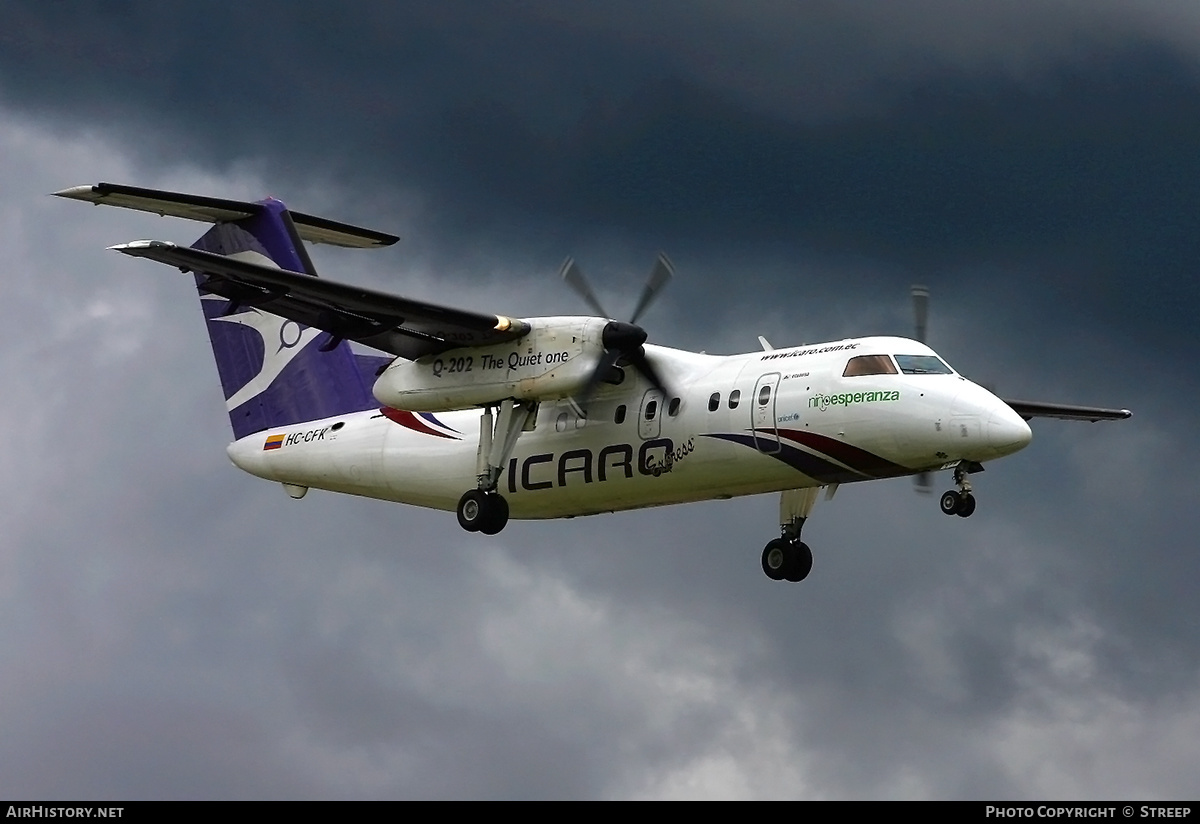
(787, 558)
(480, 511)
(483, 509)
(960, 502)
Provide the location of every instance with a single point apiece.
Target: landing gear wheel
(775, 559)
(966, 505)
(799, 563)
(950, 503)
(472, 509)
(480, 511)
(784, 560)
(495, 514)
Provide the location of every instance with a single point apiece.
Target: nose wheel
(960, 501)
(961, 504)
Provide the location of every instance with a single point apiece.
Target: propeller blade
(573, 275)
(604, 368)
(641, 363)
(660, 275)
(923, 482)
(920, 297)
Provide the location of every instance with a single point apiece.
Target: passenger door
(650, 415)
(762, 412)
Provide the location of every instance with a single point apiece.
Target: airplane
(497, 417)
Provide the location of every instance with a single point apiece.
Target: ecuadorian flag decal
(273, 442)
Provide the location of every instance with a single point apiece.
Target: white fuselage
(743, 424)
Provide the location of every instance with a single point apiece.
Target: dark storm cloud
(1024, 134)
(1033, 162)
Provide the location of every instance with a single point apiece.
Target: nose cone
(1007, 431)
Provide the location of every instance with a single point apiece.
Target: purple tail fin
(275, 371)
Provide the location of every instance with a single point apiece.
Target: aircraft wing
(404, 327)
(1037, 409)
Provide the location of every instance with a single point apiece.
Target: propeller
(920, 298)
(660, 276)
(624, 343)
(923, 482)
(920, 301)
(573, 276)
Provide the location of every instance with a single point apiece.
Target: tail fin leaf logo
(282, 340)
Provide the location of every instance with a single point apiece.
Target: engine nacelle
(554, 360)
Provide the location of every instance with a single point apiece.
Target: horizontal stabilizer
(218, 210)
(1037, 409)
(402, 326)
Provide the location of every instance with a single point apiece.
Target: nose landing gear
(960, 502)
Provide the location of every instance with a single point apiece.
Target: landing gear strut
(787, 558)
(960, 502)
(483, 509)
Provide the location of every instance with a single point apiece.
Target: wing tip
(85, 192)
(135, 246)
(1092, 414)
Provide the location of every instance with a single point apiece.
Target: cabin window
(620, 416)
(560, 423)
(735, 398)
(764, 395)
(869, 365)
(923, 365)
(651, 410)
(714, 400)
(673, 407)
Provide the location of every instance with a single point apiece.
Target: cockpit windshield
(922, 365)
(869, 365)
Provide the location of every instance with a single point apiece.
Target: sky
(173, 628)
